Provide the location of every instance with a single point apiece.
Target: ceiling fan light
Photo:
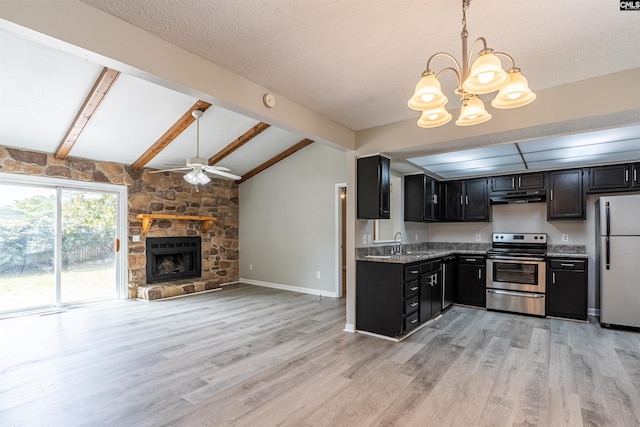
(472, 112)
(202, 178)
(428, 94)
(434, 118)
(516, 93)
(486, 74)
(191, 177)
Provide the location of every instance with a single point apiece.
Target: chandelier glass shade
(484, 76)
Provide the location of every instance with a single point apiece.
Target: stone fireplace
(173, 258)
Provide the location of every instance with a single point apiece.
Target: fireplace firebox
(173, 258)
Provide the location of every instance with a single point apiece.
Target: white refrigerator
(618, 259)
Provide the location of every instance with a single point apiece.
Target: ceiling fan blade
(225, 174)
(172, 170)
(216, 168)
(173, 165)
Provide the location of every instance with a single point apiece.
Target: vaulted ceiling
(352, 62)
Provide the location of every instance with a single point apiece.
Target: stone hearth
(158, 291)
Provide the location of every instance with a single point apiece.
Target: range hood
(531, 196)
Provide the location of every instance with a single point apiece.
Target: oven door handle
(513, 258)
(515, 294)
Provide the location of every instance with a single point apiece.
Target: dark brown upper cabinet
(467, 200)
(566, 196)
(528, 181)
(422, 199)
(373, 187)
(612, 178)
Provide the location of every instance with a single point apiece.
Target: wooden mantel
(147, 219)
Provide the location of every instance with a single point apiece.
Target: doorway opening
(341, 238)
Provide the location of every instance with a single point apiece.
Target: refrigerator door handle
(608, 238)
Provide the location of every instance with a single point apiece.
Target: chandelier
(484, 76)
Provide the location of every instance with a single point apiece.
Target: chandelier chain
(465, 6)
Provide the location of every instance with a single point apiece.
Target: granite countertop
(565, 255)
(409, 257)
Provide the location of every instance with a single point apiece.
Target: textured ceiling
(356, 62)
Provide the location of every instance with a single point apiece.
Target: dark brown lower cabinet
(567, 288)
(471, 280)
(392, 299)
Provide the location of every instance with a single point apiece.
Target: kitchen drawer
(411, 321)
(427, 267)
(411, 304)
(567, 264)
(412, 272)
(471, 260)
(411, 289)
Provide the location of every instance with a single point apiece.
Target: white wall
(287, 221)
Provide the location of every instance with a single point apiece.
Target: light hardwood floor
(252, 356)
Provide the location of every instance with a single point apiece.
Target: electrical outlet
(565, 238)
(317, 274)
(364, 239)
(250, 266)
(135, 238)
(416, 237)
(478, 237)
(369, 239)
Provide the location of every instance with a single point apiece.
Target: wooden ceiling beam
(238, 142)
(286, 153)
(96, 95)
(171, 134)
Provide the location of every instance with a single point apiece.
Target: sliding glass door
(58, 246)
(88, 225)
(27, 247)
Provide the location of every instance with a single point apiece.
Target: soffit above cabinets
(586, 149)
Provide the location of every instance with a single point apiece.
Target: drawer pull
(414, 321)
(414, 271)
(567, 265)
(415, 304)
(470, 259)
(415, 288)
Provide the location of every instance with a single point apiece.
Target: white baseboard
(290, 288)
(593, 312)
(349, 327)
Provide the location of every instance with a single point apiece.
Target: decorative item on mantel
(485, 76)
(147, 219)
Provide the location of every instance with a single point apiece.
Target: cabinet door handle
(567, 265)
(551, 197)
(513, 182)
(414, 271)
(415, 288)
(479, 273)
(626, 175)
(635, 175)
(415, 304)
(553, 278)
(467, 199)
(435, 199)
(519, 181)
(470, 259)
(462, 200)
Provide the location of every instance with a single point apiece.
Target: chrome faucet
(397, 244)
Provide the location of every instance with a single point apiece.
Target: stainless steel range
(516, 273)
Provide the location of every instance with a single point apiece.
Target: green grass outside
(79, 283)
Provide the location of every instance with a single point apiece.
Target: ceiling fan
(197, 166)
